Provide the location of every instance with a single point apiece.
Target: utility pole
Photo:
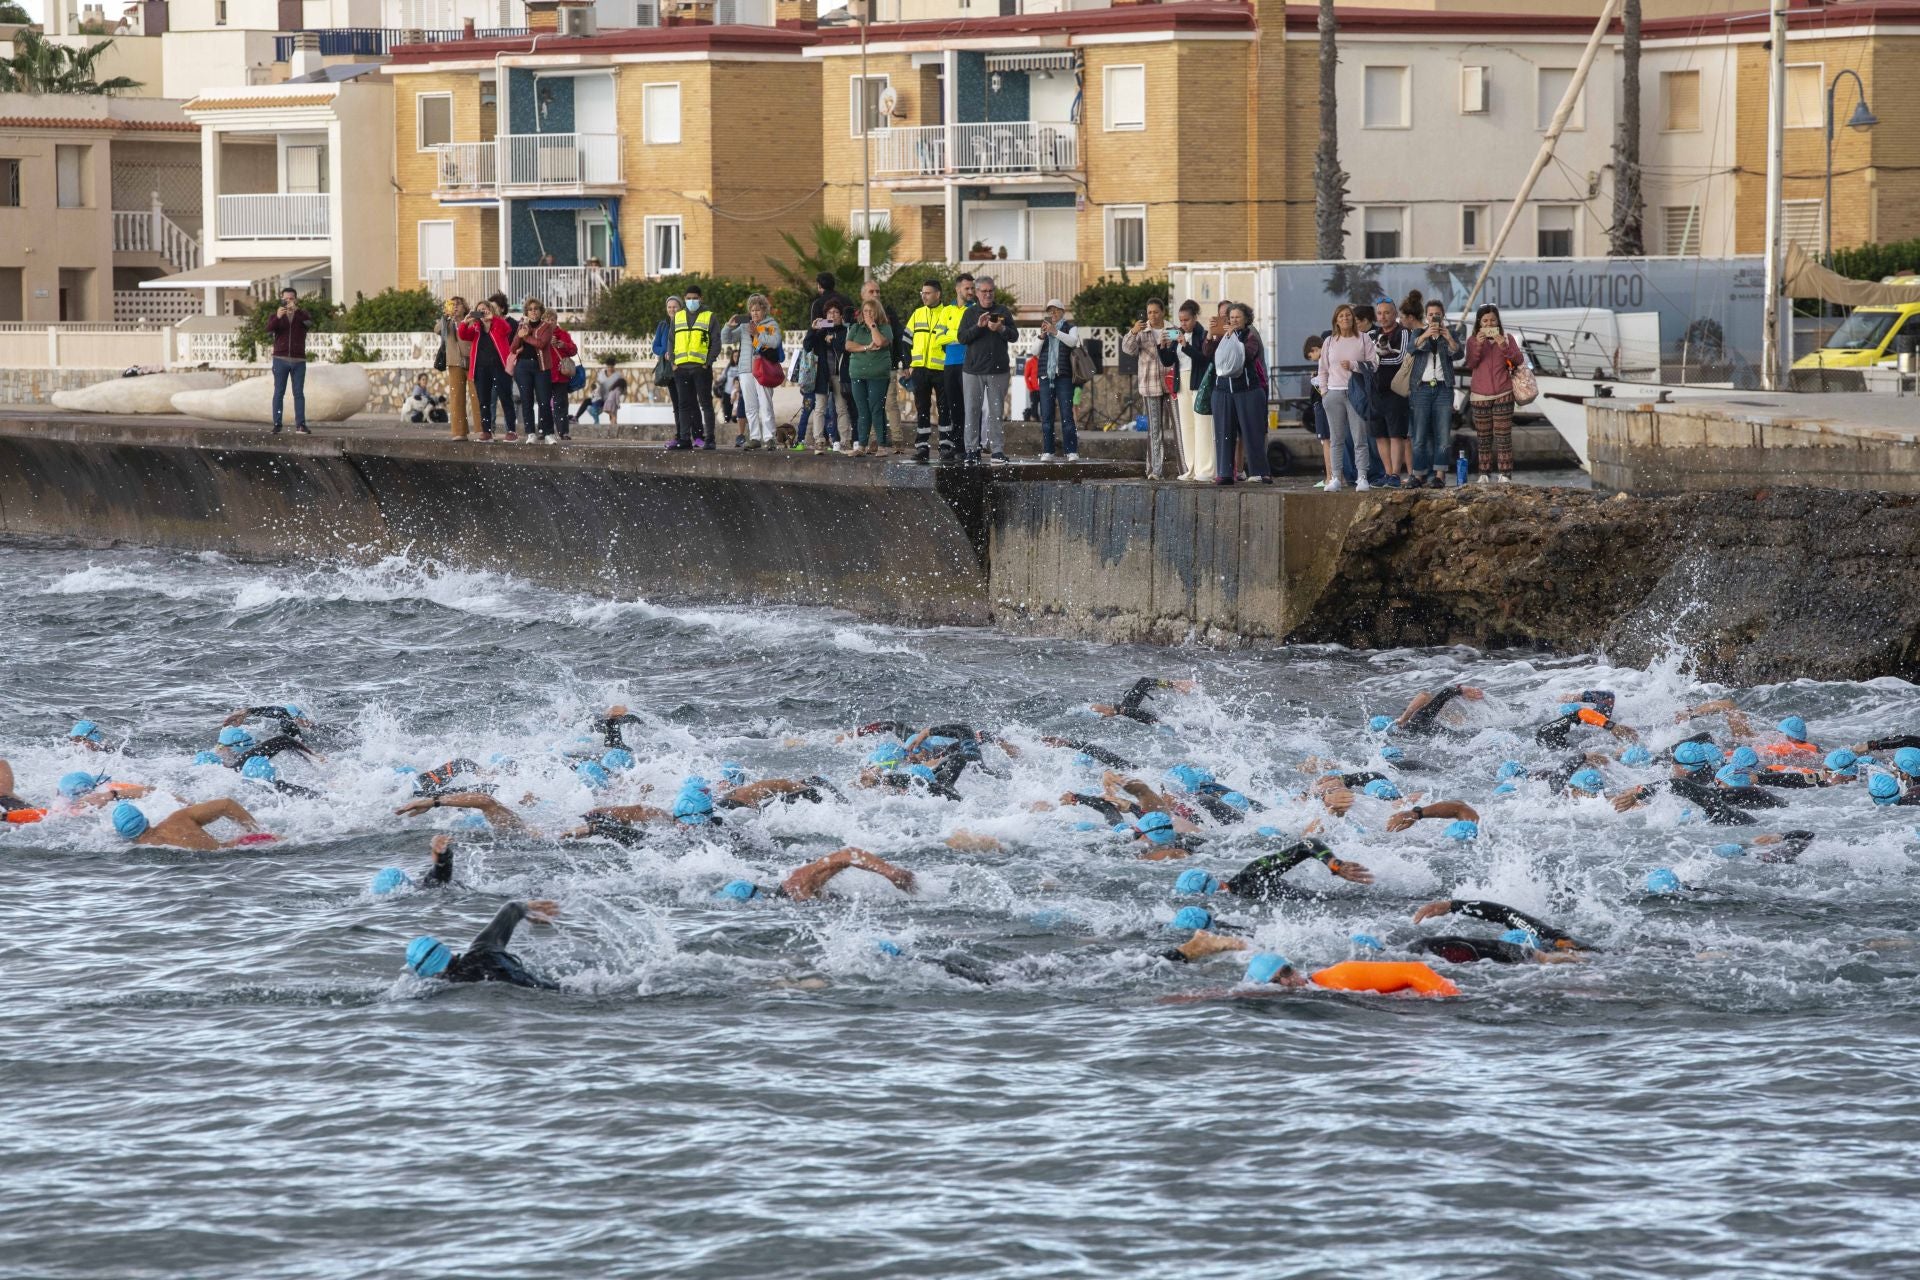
(862, 11)
(1776, 163)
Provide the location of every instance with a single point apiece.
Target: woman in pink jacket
(487, 365)
(1492, 356)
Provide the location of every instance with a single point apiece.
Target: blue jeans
(294, 371)
(829, 414)
(536, 397)
(1056, 402)
(1432, 405)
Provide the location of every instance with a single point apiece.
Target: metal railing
(151, 231)
(1031, 283)
(547, 160)
(972, 150)
(568, 290)
(377, 42)
(467, 169)
(286, 215)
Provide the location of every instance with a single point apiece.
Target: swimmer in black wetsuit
(289, 720)
(447, 779)
(1092, 751)
(1594, 709)
(1130, 704)
(1264, 879)
(1553, 945)
(438, 875)
(609, 726)
(486, 958)
(1421, 718)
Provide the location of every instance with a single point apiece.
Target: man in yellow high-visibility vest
(692, 356)
(931, 326)
(954, 400)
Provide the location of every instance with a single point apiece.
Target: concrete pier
(1748, 440)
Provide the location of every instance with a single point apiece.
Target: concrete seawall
(1754, 440)
(889, 540)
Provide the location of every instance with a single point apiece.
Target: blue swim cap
(1367, 942)
(294, 711)
(1744, 758)
(1636, 754)
(1521, 938)
(1842, 761)
(428, 956)
(1392, 753)
(694, 808)
(1730, 850)
(1511, 769)
(1155, 822)
(738, 890)
(693, 782)
(889, 949)
(1383, 789)
(1195, 880)
(85, 729)
(1733, 776)
(1463, 829)
(1693, 756)
(1125, 829)
(1086, 825)
(1380, 724)
(887, 754)
(1162, 836)
(617, 758)
(472, 820)
(590, 772)
(921, 772)
(1884, 788)
(1568, 708)
(205, 757)
(387, 879)
(235, 736)
(1587, 780)
(1084, 761)
(405, 770)
(1506, 789)
(1235, 800)
(1191, 918)
(260, 769)
(1188, 777)
(938, 740)
(1270, 832)
(732, 772)
(1793, 727)
(75, 785)
(1661, 880)
(1907, 760)
(1264, 967)
(129, 821)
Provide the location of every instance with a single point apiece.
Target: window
(660, 113)
(219, 13)
(663, 246)
(646, 14)
(1473, 227)
(1383, 229)
(1124, 97)
(1680, 101)
(432, 121)
(70, 177)
(307, 168)
(1386, 96)
(1126, 236)
(875, 86)
(436, 248)
(1806, 95)
(1552, 86)
(1557, 225)
(1681, 230)
(1801, 224)
(596, 241)
(857, 221)
(1473, 91)
(9, 184)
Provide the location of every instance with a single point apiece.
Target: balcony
(467, 171)
(1031, 283)
(378, 42)
(561, 161)
(286, 215)
(568, 290)
(1016, 148)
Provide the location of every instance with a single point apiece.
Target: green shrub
(354, 351)
(392, 311)
(252, 337)
(1877, 261)
(1116, 304)
(633, 308)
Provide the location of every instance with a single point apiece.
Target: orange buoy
(1384, 977)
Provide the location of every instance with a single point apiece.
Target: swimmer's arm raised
(1449, 809)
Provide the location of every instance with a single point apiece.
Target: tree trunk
(1330, 206)
(1629, 236)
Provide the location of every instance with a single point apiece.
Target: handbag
(767, 372)
(1203, 394)
(1081, 363)
(566, 368)
(662, 372)
(1402, 384)
(440, 356)
(1526, 388)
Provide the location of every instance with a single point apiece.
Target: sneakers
(1506, 477)
(1361, 485)
(920, 455)
(673, 446)
(756, 444)
(1320, 484)
(1046, 457)
(972, 459)
(801, 447)
(486, 437)
(999, 460)
(566, 437)
(1331, 486)
(1484, 478)
(529, 438)
(699, 442)
(739, 442)
(546, 439)
(301, 427)
(276, 429)
(1073, 457)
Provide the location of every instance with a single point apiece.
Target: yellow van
(1866, 338)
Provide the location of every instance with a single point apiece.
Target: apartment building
(97, 195)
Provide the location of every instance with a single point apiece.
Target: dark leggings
(1240, 416)
(536, 396)
(490, 385)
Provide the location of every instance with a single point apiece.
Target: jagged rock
(334, 392)
(148, 393)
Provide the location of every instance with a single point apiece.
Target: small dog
(783, 437)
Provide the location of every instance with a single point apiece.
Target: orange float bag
(25, 815)
(1384, 977)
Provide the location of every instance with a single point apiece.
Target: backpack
(806, 370)
(1230, 357)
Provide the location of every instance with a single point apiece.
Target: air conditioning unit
(576, 20)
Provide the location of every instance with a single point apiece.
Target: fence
(90, 346)
(140, 308)
(377, 42)
(284, 215)
(544, 160)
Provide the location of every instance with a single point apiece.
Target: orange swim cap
(1384, 977)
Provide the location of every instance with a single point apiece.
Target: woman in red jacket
(1492, 356)
(533, 359)
(487, 366)
(564, 348)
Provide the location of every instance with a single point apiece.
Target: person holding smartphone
(1431, 399)
(289, 325)
(1148, 343)
(489, 335)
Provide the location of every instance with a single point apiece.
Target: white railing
(471, 283)
(1032, 283)
(151, 231)
(156, 306)
(545, 160)
(940, 150)
(567, 290)
(468, 169)
(286, 215)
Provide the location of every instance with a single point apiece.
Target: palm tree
(1330, 206)
(1628, 237)
(38, 66)
(835, 249)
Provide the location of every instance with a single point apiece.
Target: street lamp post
(1862, 120)
(861, 10)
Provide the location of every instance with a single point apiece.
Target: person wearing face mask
(1492, 356)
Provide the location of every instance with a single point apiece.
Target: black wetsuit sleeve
(819, 783)
(499, 933)
(1219, 810)
(1461, 950)
(1894, 743)
(1556, 777)
(1113, 760)
(1715, 802)
(1792, 845)
(1600, 700)
(604, 824)
(1510, 917)
(1553, 734)
(1129, 705)
(1786, 781)
(1262, 878)
(1911, 798)
(610, 728)
(1102, 806)
(286, 788)
(1360, 779)
(1422, 720)
(883, 726)
(439, 871)
(1751, 798)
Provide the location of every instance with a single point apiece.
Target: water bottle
(1460, 469)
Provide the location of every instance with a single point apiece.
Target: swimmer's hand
(1103, 709)
(441, 843)
(1203, 944)
(543, 910)
(1352, 871)
(238, 717)
(1401, 821)
(1628, 800)
(416, 806)
(1472, 693)
(1433, 909)
(1181, 686)
(1339, 799)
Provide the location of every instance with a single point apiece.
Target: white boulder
(148, 393)
(334, 392)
